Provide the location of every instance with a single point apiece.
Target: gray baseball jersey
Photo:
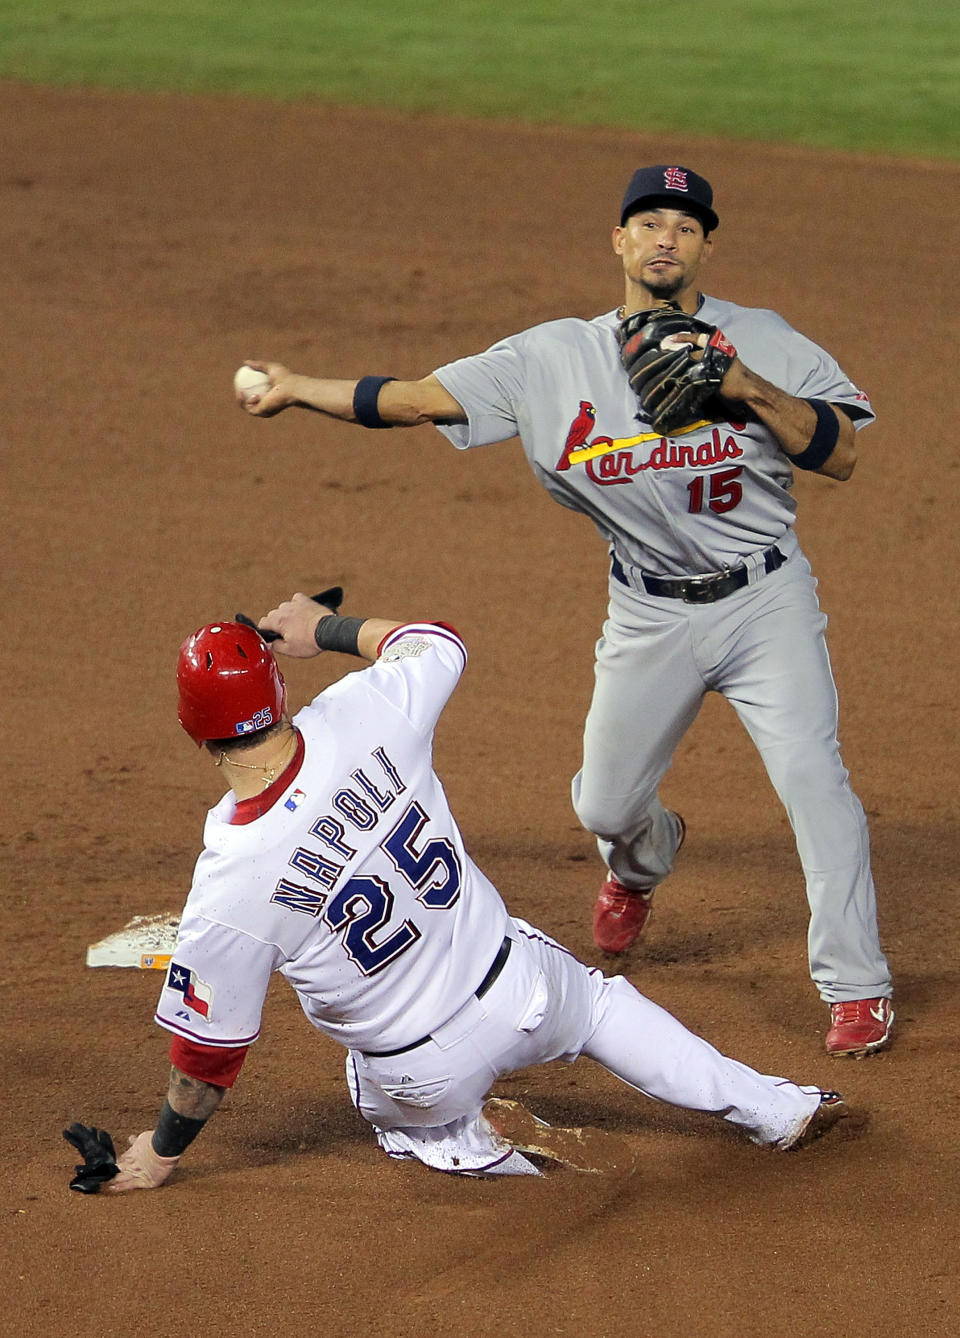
(684, 505)
(711, 497)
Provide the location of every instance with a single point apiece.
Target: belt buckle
(703, 589)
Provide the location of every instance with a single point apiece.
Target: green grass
(843, 73)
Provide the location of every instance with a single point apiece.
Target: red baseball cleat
(859, 1027)
(621, 913)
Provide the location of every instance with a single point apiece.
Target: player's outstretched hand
(140, 1167)
(99, 1157)
(296, 621)
(280, 396)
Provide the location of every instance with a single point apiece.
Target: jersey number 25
(364, 905)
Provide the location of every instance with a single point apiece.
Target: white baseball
(672, 342)
(248, 381)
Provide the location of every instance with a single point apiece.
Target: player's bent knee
(611, 819)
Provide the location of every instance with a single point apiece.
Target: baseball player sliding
(675, 424)
(335, 860)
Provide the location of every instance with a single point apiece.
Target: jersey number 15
(725, 491)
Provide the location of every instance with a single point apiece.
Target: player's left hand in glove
(99, 1157)
(673, 377)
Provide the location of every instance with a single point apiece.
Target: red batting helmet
(229, 683)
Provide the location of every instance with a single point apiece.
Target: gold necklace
(268, 774)
(622, 310)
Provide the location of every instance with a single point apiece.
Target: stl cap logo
(675, 178)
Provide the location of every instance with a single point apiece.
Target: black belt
(699, 589)
(496, 966)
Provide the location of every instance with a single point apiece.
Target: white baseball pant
(427, 1102)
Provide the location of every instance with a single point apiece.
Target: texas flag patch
(197, 994)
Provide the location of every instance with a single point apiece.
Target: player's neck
(250, 772)
(639, 298)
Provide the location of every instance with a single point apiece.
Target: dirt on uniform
(149, 245)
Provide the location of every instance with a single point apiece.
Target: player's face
(662, 250)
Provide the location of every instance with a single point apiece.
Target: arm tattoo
(190, 1103)
(193, 1097)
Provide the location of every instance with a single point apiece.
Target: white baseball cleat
(831, 1109)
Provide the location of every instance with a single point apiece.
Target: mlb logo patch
(197, 994)
(259, 721)
(295, 800)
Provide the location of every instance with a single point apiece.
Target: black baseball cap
(676, 187)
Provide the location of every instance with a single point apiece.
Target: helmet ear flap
(228, 683)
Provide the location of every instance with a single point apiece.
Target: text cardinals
(609, 460)
(619, 466)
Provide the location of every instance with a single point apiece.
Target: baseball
(248, 381)
(672, 342)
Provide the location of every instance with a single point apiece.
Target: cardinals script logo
(613, 460)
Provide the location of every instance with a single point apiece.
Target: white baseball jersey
(697, 502)
(349, 876)
(354, 883)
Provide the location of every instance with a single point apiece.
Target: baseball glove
(673, 381)
(99, 1157)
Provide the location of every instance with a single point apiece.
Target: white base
(146, 942)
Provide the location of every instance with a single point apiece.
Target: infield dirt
(149, 245)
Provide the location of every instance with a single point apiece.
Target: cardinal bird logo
(580, 430)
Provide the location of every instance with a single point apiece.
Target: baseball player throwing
(335, 860)
(675, 424)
